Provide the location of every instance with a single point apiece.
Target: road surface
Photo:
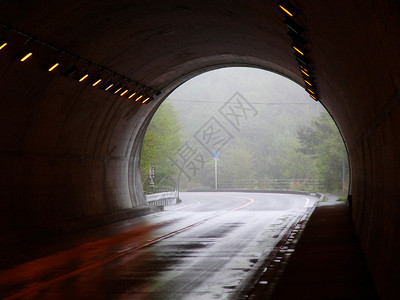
(202, 248)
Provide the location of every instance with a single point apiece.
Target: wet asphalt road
(202, 248)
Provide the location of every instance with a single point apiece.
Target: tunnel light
(133, 94)
(83, 77)
(288, 8)
(108, 86)
(50, 66)
(307, 82)
(146, 100)
(96, 82)
(138, 98)
(26, 56)
(118, 89)
(3, 44)
(53, 66)
(305, 73)
(311, 91)
(124, 92)
(312, 96)
(304, 68)
(301, 52)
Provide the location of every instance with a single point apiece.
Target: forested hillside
(258, 122)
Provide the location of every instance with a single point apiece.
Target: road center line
(244, 205)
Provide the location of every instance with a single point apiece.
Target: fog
(250, 119)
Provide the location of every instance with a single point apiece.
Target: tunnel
(71, 148)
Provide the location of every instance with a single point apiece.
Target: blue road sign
(215, 154)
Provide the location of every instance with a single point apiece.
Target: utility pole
(152, 175)
(216, 156)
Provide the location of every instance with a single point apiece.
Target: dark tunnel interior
(71, 149)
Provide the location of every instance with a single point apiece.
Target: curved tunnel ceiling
(80, 145)
(153, 42)
(156, 43)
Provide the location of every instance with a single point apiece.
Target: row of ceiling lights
(118, 84)
(295, 31)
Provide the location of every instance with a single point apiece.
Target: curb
(269, 270)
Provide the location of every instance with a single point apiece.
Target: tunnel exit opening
(240, 128)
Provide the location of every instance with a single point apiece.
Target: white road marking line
(308, 201)
(185, 206)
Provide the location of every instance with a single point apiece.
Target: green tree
(323, 142)
(160, 145)
(296, 165)
(237, 165)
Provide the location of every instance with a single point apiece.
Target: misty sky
(255, 85)
(270, 94)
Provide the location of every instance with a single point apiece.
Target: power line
(252, 103)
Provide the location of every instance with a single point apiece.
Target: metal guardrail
(276, 184)
(162, 198)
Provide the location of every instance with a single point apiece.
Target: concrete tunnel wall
(71, 150)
